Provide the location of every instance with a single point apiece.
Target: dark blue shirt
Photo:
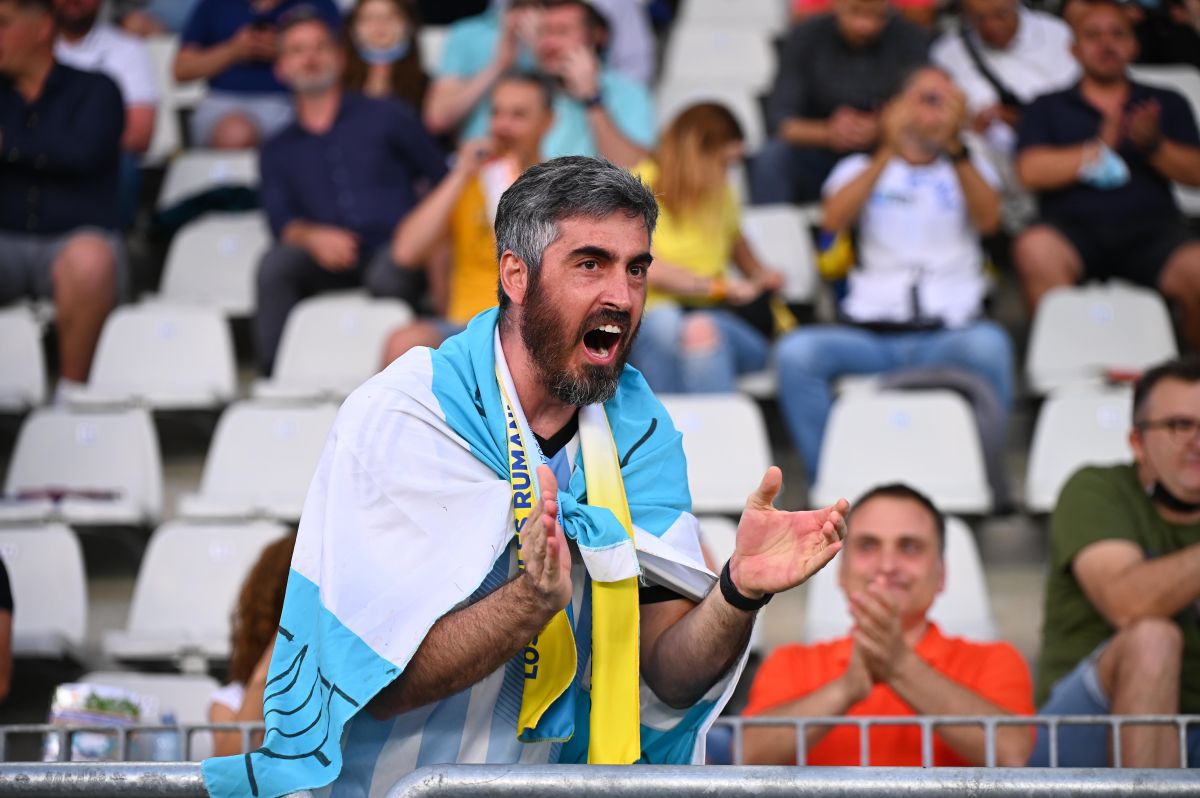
(1064, 118)
(358, 175)
(59, 153)
(214, 22)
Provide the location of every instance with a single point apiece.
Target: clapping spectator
(232, 45)
(920, 202)
(1101, 157)
(835, 73)
(60, 146)
(693, 337)
(334, 184)
(383, 54)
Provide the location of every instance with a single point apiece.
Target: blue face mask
(1107, 171)
(383, 55)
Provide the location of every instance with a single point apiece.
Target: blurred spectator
(334, 184)
(60, 145)
(383, 54)
(921, 12)
(921, 202)
(835, 72)
(85, 43)
(253, 628)
(895, 662)
(461, 211)
(598, 111)
(1121, 633)
(232, 44)
(6, 627)
(152, 17)
(692, 337)
(1101, 157)
(1168, 31)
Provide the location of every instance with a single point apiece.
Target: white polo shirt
(117, 54)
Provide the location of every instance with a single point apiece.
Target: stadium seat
(186, 589)
(1184, 79)
(1079, 333)
(725, 441)
(164, 356)
(721, 54)
(927, 439)
(261, 461)
(86, 468)
(195, 171)
(962, 609)
(331, 344)
(49, 588)
(767, 16)
(22, 364)
(213, 262)
(432, 39)
(184, 697)
(672, 98)
(1076, 427)
(779, 235)
(167, 139)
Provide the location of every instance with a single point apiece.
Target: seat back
(195, 171)
(674, 97)
(780, 238)
(183, 696)
(22, 364)
(49, 588)
(767, 16)
(214, 260)
(740, 56)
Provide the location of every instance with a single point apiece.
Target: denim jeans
(809, 360)
(782, 172)
(658, 352)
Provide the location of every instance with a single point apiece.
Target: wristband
(736, 599)
(718, 291)
(961, 155)
(593, 101)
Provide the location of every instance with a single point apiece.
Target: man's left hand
(777, 550)
(1143, 124)
(580, 73)
(877, 630)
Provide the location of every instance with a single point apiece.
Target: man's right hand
(474, 153)
(857, 681)
(544, 549)
(851, 129)
(334, 249)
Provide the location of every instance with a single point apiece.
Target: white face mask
(1106, 171)
(383, 55)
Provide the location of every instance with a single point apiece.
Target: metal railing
(989, 723)
(80, 780)
(123, 736)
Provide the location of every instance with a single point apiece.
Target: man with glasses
(1122, 619)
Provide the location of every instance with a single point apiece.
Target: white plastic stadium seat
(673, 98)
(1080, 332)
(167, 357)
(779, 235)
(331, 344)
(962, 609)
(432, 39)
(22, 365)
(185, 697)
(196, 171)
(1184, 79)
(723, 54)
(927, 439)
(725, 442)
(186, 589)
(769, 16)
(1076, 427)
(45, 571)
(261, 461)
(105, 464)
(163, 49)
(213, 262)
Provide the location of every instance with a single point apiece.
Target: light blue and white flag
(409, 517)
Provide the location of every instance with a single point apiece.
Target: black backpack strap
(1007, 98)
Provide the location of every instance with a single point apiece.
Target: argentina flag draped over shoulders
(409, 517)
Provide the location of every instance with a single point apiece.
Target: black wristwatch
(730, 592)
(963, 153)
(593, 101)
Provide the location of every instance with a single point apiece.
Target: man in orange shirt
(895, 662)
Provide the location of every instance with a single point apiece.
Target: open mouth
(601, 342)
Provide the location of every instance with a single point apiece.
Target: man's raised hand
(544, 549)
(778, 550)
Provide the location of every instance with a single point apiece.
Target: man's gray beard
(596, 386)
(307, 87)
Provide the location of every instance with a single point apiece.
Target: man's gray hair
(532, 207)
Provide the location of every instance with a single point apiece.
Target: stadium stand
(51, 624)
(926, 438)
(185, 590)
(767, 16)
(261, 460)
(86, 468)
(962, 609)
(23, 376)
(720, 54)
(195, 171)
(213, 260)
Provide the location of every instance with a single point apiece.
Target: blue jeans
(809, 360)
(659, 354)
(781, 172)
(1080, 693)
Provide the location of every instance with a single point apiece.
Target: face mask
(1106, 171)
(1159, 494)
(383, 55)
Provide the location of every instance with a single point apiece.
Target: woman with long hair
(694, 338)
(255, 623)
(383, 56)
